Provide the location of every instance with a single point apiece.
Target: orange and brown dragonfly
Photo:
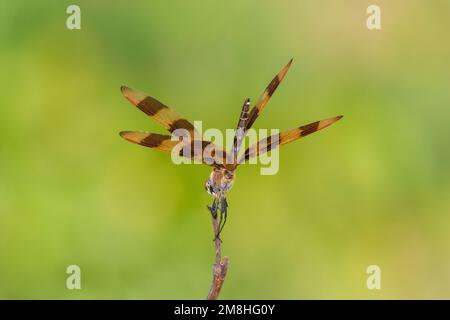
(223, 164)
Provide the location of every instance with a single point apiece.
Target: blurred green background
(372, 189)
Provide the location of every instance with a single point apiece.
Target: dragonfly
(223, 164)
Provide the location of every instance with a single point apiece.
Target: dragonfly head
(219, 182)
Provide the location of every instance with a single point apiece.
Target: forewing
(285, 137)
(195, 151)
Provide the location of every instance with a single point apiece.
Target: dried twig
(220, 267)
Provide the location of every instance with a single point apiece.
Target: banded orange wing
(265, 96)
(158, 111)
(285, 137)
(240, 129)
(157, 141)
(213, 156)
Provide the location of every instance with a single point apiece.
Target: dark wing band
(158, 111)
(202, 151)
(285, 137)
(265, 96)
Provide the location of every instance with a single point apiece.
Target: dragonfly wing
(265, 96)
(285, 137)
(195, 150)
(158, 111)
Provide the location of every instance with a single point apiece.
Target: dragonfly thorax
(219, 182)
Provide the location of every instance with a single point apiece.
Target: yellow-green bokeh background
(372, 189)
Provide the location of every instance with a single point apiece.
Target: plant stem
(220, 267)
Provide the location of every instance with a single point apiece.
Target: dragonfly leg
(217, 236)
(223, 214)
(213, 208)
